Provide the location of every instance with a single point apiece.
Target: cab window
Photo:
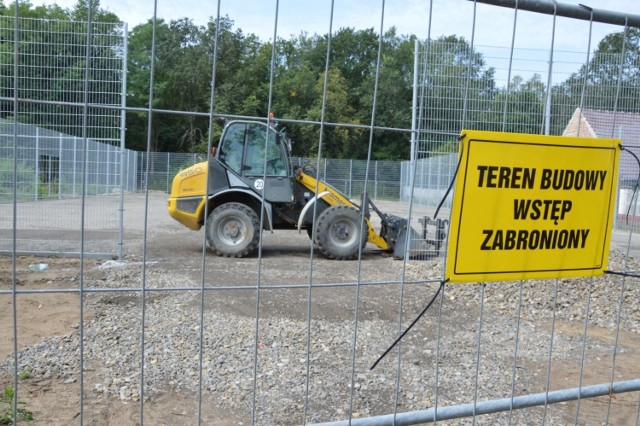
(230, 152)
(253, 138)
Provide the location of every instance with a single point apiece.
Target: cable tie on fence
(624, 274)
(442, 283)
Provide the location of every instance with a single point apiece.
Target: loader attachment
(396, 232)
(416, 246)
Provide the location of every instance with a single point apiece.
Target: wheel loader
(249, 184)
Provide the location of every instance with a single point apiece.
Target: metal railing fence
(62, 148)
(170, 333)
(56, 166)
(346, 175)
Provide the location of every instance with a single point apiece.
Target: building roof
(609, 124)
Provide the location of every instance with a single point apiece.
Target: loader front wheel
(339, 233)
(233, 230)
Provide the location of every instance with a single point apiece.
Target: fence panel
(349, 177)
(172, 333)
(63, 148)
(57, 169)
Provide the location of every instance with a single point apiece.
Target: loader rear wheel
(338, 232)
(233, 230)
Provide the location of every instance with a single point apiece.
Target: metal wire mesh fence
(489, 92)
(349, 176)
(171, 333)
(53, 165)
(563, 109)
(56, 69)
(56, 166)
(62, 148)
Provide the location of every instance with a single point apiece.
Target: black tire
(233, 230)
(338, 233)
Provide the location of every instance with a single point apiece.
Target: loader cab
(259, 156)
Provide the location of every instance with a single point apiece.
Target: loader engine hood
(191, 181)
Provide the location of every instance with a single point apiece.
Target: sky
(494, 25)
(492, 33)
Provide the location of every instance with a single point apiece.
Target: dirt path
(52, 308)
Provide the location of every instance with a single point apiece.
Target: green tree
(337, 140)
(183, 65)
(52, 66)
(242, 70)
(394, 97)
(456, 87)
(299, 87)
(182, 73)
(80, 12)
(518, 108)
(139, 81)
(610, 80)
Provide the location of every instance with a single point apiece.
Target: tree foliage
(458, 87)
(56, 71)
(516, 108)
(610, 80)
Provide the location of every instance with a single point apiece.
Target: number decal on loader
(259, 184)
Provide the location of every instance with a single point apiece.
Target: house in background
(591, 123)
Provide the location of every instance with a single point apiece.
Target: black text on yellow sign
(531, 207)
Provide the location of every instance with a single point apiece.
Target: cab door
(254, 152)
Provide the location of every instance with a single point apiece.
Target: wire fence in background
(52, 166)
(520, 91)
(54, 80)
(290, 337)
(62, 148)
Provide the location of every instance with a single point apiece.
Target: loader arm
(333, 197)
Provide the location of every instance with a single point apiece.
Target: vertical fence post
(107, 180)
(324, 173)
(104, 176)
(116, 168)
(414, 121)
(90, 170)
(37, 162)
(135, 170)
(168, 161)
(123, 126)
(75, 147)
(59, 166)
(350, 176)
(438, 175)
(375, 180)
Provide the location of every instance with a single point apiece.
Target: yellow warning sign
(531, 207)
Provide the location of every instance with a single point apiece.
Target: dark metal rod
(493, 406)
(582, 12)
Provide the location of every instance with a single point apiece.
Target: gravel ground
(172, 347)
(288, 348)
